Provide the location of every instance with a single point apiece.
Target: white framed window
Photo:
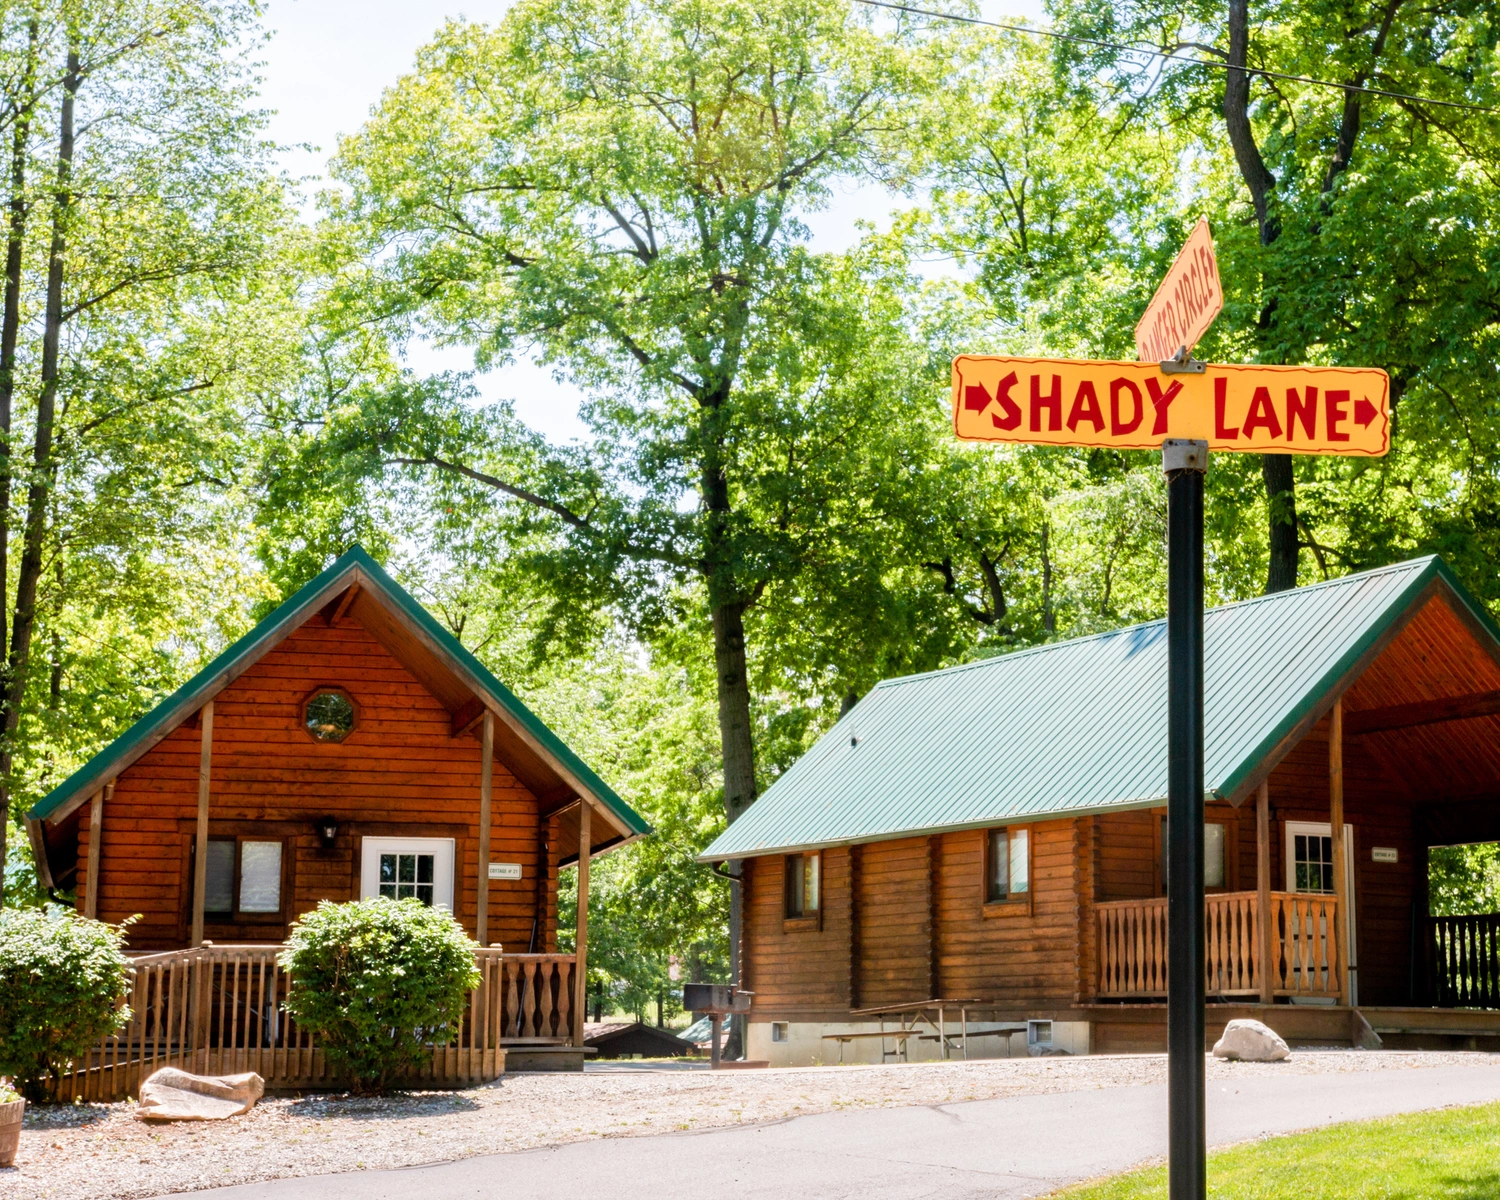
(407, 868)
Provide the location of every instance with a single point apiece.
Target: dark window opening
(803, 884)
(1007, 867)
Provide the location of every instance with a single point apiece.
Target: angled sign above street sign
(1134, 406)
(1186, 301)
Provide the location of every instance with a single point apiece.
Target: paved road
(1020, 1146)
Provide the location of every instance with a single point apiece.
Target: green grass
(1449, 1155)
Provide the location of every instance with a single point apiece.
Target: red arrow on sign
(1364, 412)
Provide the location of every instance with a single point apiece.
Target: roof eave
(1144, 802)
(1319, 699)
(152, 728)
(355, 565)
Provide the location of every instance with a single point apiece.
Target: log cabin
(347, 746)
(971, 860)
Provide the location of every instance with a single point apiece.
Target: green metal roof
(353, 566)
(1078, 726)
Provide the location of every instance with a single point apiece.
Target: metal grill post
(1185, 463)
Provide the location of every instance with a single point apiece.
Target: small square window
(779, 1031)
(1007, 870)
(243, 879)
(1215, 858)
(407, 876)
(803, 884)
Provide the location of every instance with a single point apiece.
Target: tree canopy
(203, 399)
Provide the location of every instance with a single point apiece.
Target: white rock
(174, 1095)
(1250, 1041)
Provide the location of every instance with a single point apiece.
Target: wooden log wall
(400, 773)
(905, 920)
(798, 970)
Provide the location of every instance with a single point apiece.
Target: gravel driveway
(83, 1152)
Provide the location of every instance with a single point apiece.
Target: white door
(421, 868)
(1309, 868)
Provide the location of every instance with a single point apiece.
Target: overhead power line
(1173, 56)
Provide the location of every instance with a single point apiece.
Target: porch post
(486, 775)
(200, 860)
(1336, 829)
(91, 880)
(1268, 940)
(580, 969)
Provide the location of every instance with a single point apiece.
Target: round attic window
(329, 715)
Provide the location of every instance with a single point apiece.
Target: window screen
(260, 877)
(1213, 855)
(218, 891)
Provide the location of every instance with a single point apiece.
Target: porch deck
(1294, 937)
(216, 1010)
(1142, 1028)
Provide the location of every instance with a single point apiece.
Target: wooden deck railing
(217, 1011)
(1465, 961)
(1132, 940)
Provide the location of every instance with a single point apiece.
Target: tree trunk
(1281, 516)
(44, 470)
(10, 325)
(1276, 469)
(738, 748)
(734, 709)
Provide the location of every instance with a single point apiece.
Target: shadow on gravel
(380, 1108)
(65, 1116)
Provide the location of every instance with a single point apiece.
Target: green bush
(62, 977)
(377, 981)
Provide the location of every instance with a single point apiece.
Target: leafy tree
(617, 185)
(62, 980)
(142, 229)
(1463, 879)
(1340, 229)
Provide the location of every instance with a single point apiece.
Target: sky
(325, 67)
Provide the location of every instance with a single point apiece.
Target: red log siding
(1128, 865)
(798, 966)
(1015, 956)
(895, 923)
(400, 771)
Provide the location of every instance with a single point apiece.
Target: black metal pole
(1185, 463)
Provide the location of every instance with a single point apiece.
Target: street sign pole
(1170, 399)
(1185, 463)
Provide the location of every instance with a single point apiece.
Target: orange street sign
(1186, 302)
(1134, 406)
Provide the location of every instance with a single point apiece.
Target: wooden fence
(1464, 958)
(218, 1010)
(1133, 946)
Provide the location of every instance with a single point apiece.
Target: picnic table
(911, 1016)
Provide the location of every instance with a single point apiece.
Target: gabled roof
(1081, 726)
(395, 615)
